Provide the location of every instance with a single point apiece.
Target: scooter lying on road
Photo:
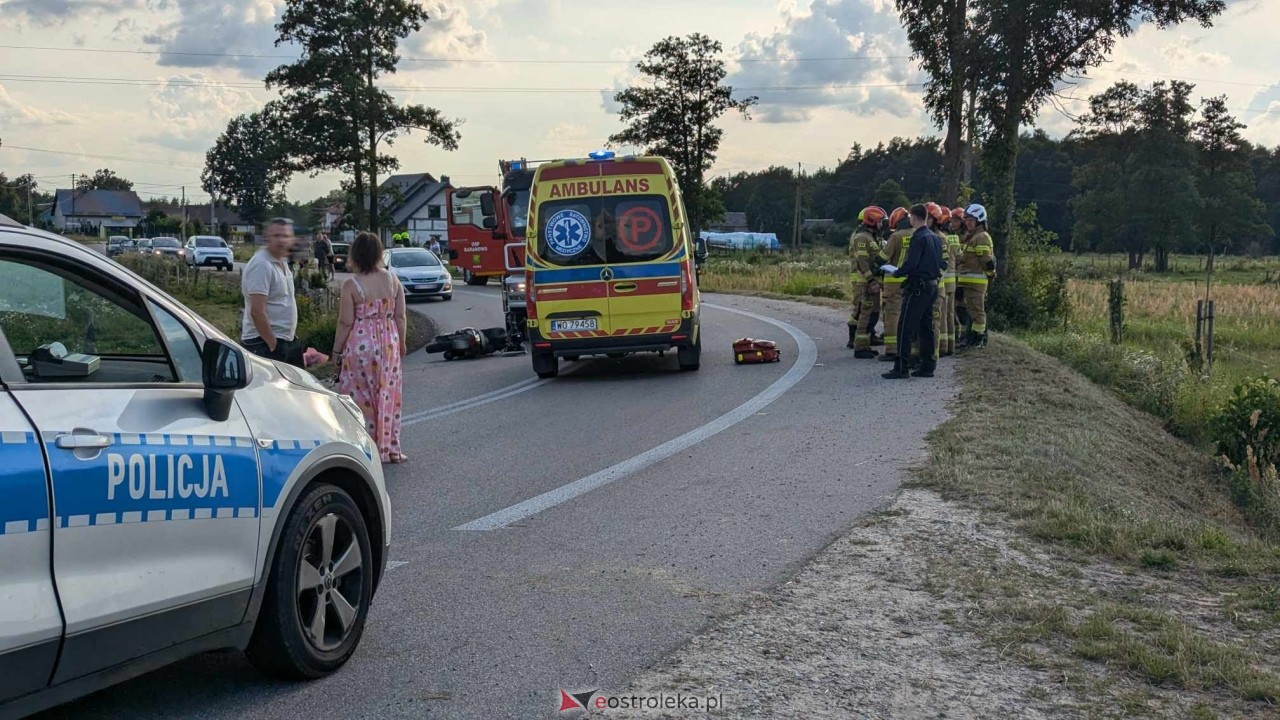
(469, 343)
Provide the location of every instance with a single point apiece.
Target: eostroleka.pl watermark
(595, 700)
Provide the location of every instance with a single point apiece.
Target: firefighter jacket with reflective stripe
(951, 245)
(863, 248)
(895, 253)
(976, 259)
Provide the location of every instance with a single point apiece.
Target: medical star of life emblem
(568, 232)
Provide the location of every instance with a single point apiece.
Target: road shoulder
(1057, 555)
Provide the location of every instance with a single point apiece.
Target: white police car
(163, 492)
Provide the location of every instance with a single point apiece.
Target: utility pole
(795, 227)
(30, 218)
(184, 215)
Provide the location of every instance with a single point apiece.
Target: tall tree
(1023, 49)
(103, 180)
(673, 112)
(940, 38)
(338, 113)
(248, 164)
(889, 195)
(1232, 210)
(1137, 189)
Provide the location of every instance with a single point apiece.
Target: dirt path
(859, 633)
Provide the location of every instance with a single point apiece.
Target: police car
(163, 492)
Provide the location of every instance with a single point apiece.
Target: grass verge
(1144, 578)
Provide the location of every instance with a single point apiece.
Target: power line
(74, 80)
(116, 158)
(455, 60)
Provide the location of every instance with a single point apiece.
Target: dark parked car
(166, 247)
(118, 245)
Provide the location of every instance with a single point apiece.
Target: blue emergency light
(517, 165)
(601, 155)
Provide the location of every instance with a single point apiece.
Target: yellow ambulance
(609, 262)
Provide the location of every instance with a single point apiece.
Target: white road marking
(457, 407)
(393, 564)
(804, 363)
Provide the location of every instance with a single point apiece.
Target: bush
(1249, 424)
(1032, 293)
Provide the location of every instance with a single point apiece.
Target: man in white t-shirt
(270, 322)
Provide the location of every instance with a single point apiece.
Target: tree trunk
(1162, 259)
(358, 188)
(1135, 260)
(952, 150)
(375, 210)
(1001, 156)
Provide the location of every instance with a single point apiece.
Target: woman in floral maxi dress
(370, 343)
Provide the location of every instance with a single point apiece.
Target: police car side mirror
(224, 371)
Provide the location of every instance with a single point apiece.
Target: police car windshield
(414, 258)
(605, 230)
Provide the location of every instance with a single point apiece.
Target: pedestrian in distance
(435, 246)
(863, 248)
(370, 343)
(893, 253)
(323, 250)
(269, 324)
(976, 270)
(920, 273)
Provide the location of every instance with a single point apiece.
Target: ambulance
(609, 263)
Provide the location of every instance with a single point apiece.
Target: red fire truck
(484, 220)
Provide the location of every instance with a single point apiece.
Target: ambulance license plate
(573, 325)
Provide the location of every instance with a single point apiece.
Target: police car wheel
(318, 595)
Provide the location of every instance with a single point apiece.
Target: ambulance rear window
(605, 230)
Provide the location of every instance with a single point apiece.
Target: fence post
(1115, 303)
(1209, 338)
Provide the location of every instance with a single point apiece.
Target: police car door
(30, 624)
(155, 506)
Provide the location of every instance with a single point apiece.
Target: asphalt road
(609, 514)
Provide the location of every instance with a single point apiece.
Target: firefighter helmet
(977, 212)
(897, 216)
(936, 211)
(957, 213)
(871, 215)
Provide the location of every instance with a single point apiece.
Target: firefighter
(938, 219)
(894, 252)
(977, 268)
(955, 225)
(863, 248)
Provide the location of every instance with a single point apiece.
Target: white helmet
(977, 212)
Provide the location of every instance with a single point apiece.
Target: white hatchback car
(162, 491)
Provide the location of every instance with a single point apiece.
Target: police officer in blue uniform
(922, 270)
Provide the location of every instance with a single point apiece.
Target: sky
(144, 87)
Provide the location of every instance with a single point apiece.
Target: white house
(416, 203)
(96, 211)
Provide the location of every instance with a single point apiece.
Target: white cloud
(234, 35)
(15, 113)
(190, 111)
(865, 29)
(47, 13)
(451, 32)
